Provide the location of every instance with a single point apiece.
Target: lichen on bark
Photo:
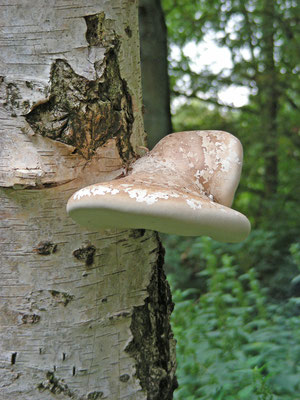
(153, 344)
(86, 113)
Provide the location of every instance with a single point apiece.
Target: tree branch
(291, 101)
(194, 95)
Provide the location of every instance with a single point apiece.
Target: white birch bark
(83, 315)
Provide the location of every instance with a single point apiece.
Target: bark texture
(72, 300)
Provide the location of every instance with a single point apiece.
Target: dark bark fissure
(85, 113)
(95, 395)
(153, 345)
(13, 358)
(99, 31)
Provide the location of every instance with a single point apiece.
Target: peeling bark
(71, 298)
(84, 113)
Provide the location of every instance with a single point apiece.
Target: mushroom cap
(208, 162)
(172, 190)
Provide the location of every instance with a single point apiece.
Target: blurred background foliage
(237, 306)
(233, 343)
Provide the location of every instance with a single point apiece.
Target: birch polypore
(185, 185)
(82, 314)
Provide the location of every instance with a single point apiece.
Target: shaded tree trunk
(83, 315)
(269, 95)
(154, 63)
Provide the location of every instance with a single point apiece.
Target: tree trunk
(269, 94)
(84, 315)
(154, 62)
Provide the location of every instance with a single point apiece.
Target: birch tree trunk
(83, 315)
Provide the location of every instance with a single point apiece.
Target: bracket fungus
(184, 186)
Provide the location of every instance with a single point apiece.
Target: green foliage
(197, 114)
(231, 343)
(267, 251)
(262, 37)
(249, 29)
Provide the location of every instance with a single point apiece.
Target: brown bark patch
(45, 248)
(55, 385)
(85, 253)
(30, 318)
(61, 297)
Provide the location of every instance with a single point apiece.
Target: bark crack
(153, 344)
